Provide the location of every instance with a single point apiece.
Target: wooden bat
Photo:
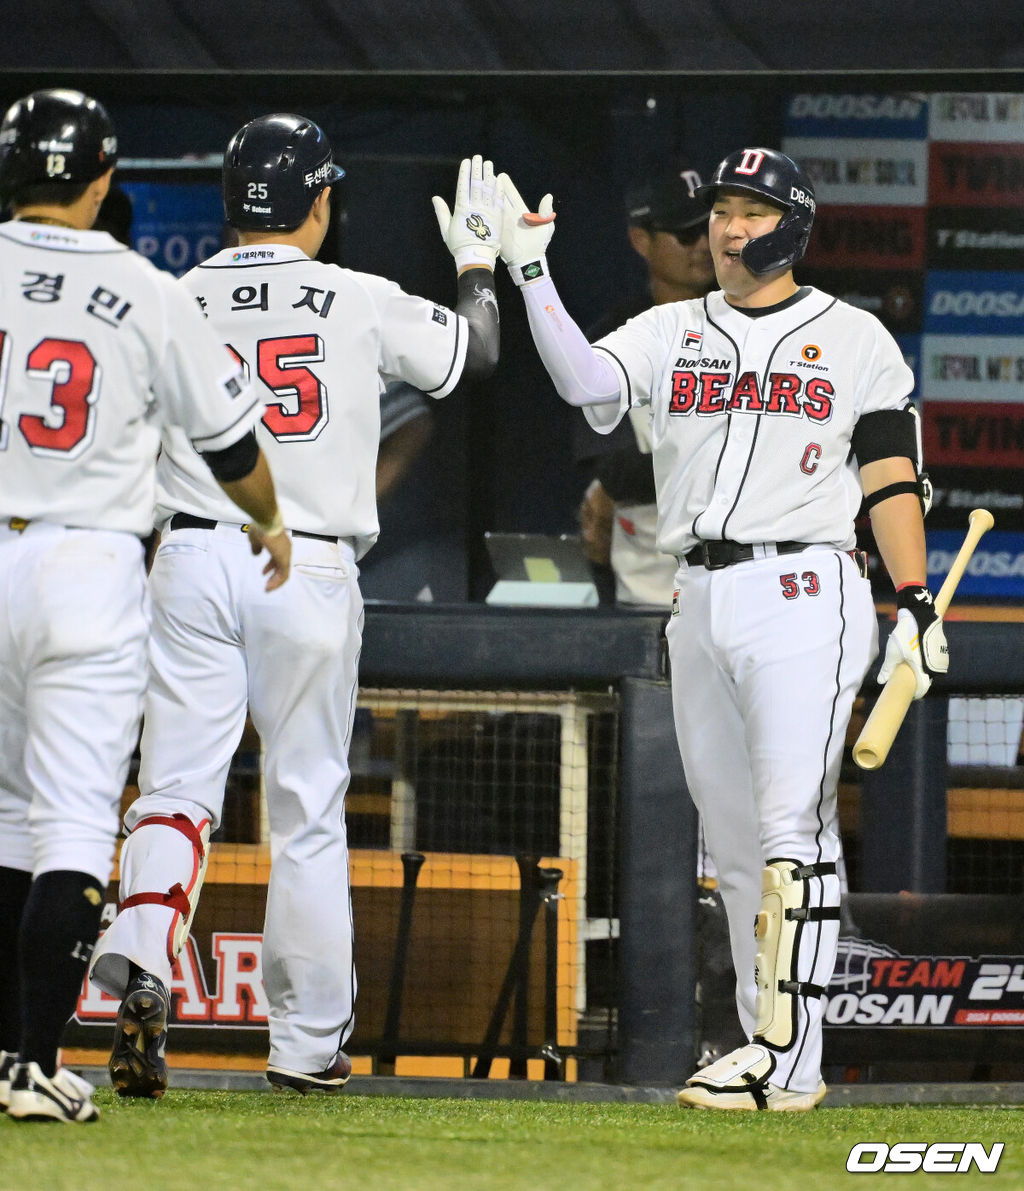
(879, 731)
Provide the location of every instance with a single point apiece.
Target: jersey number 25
(299, 411)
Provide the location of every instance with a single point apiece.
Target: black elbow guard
(234, 462)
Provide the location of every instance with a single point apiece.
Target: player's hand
(597, 515)
(525, 234)
(471, 230)
(279, 547)
(918, 639)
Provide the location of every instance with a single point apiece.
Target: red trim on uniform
(910, 583)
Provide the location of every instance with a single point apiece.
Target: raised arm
(580, 375)
(471, 231)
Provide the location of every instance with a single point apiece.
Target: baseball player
(319, 341)
(99, 353)
(668, 230)
(774, 410)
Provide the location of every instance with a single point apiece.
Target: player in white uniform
(99, 351)
(774, 411)
(317, 340)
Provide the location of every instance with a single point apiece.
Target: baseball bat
(412, 862)
(879, 731)
(516, 980)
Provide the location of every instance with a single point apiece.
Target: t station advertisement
(921, 222)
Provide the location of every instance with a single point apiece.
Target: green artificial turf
(253, 1141)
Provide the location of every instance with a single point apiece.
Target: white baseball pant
(763, 684)
(221, 642)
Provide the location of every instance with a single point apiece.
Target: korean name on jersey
(316, 339)
(98, 350)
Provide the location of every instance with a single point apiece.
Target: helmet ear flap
(780, 248)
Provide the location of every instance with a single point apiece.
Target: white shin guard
(786, 912)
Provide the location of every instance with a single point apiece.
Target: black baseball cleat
(332, 1079)
(137, 1066)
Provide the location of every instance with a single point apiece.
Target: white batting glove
(918, 639)
(525, 234)
(472, 229)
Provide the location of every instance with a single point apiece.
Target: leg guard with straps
(182, 896)
(785, 910)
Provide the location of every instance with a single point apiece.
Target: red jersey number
(300, 411)
(70, 368)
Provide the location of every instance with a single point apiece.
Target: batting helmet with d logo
(778, 178)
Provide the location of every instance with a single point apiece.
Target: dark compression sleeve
(478, 304)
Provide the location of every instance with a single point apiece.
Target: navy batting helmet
(55, 136)
(776, 177)
(274, 168)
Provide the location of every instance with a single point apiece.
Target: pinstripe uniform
(751, 419)
(317, 340)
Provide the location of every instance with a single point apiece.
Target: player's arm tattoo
(478, 304)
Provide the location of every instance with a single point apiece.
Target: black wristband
(917, 600)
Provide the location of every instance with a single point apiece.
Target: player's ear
(641, 240)
(98, 189)
(322, 202)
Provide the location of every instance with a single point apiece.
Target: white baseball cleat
(772, 1098)
(740, 1082)
(37, 1097)
(7, 1063)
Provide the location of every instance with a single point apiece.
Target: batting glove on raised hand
(525, 234)
(918, 638)
(472, 229)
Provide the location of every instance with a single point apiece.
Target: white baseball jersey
(98, 351)
(751, 420)
(751, 417)
(286, 317)
(643, 575)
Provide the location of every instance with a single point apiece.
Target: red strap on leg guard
(175, 897)
(180, 823)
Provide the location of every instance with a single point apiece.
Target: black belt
(188, 521)
(715, 555)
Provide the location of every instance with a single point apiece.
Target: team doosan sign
(857, 115)
(996, 568)
(876, 985)
(967, 302)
